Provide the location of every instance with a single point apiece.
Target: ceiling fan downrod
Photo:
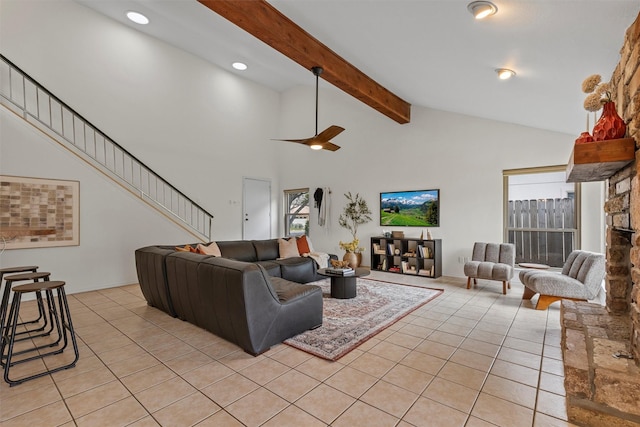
(317, 71)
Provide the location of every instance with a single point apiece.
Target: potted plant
(356, 212)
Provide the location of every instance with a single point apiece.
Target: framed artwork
(38, 213)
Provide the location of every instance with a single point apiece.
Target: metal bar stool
(61, 317)
(5, 293)
(35, 277)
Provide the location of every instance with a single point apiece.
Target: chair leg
(544, 301)
(528, 293)
(504, 287)
(475, 280)
(509, 285)
(468, 282)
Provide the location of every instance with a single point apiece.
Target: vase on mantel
(610, 125)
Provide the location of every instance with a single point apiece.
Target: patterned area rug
(348, 323)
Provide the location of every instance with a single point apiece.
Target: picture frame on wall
(38, 212)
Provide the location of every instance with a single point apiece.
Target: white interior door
(256, 206)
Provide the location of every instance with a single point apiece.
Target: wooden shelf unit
(597, 161)
(420, 257)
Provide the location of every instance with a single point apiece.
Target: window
(296, 216)
(542, 214)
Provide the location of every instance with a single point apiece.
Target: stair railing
(26, 97)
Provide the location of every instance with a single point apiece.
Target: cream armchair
(581, 279)
(491, 261)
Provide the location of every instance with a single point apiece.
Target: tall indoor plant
(356, 212)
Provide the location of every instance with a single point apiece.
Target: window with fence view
(541, 217)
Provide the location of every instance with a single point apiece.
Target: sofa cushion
(211, 249)
(303, 245)
(298, 269)
(240, 250)
(288, 291)
(288, 248)
(272, 268)
(266, 249)
(185, 248)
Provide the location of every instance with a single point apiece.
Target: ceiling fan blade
(330, 132)
(301, 141)
(330, 146)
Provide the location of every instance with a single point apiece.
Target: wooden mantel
(597, 161)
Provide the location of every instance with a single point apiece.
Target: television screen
(410, 208)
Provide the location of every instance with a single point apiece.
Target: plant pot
(610, 125)
(352, 259)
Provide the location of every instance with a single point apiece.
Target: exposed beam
(266, 23)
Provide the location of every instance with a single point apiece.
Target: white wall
(198, 126)
(204, 129)
(462, 156)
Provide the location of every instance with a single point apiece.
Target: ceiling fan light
(482, 9)
(316, 146)
(505, 73)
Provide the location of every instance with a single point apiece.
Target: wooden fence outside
(542, 230)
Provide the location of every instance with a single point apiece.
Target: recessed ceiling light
(239, 66)
(138, 18)
(505, 73)
(482, 9)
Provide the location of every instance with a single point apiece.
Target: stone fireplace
(623, 198)
(601, 345)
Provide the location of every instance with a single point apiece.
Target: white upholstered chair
(580, 279)
(491, 261)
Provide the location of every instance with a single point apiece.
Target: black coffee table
(344, 287)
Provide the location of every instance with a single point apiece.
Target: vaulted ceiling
(430, 53)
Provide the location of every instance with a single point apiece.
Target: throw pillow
(211, 249)
(288, 248)
(187, 248)
(303, 245)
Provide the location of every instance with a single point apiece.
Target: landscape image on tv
(410, 208)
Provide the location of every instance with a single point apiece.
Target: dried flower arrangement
(600, 93)
(355, 213)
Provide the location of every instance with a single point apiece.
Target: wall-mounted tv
(420, 208)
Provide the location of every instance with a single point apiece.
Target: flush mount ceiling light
(240, 66)
(505, 73)
(482, 9)
(137, 17)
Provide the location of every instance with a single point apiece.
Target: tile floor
(469, 358)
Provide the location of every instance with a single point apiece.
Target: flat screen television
(420, 208)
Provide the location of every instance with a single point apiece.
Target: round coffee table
(344, 287)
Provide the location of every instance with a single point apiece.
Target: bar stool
(5, 294)
(33, 276)
(60, 315)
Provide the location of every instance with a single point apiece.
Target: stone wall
(623, 204)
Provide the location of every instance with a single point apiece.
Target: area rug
(348, 323)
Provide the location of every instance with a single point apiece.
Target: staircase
(36, 105)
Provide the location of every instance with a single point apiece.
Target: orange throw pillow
(187, 248)
(303, 245)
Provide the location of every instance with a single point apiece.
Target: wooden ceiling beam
(266, 23)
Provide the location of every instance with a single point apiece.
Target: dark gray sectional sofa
(247, 296)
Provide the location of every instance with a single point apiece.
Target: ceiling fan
(321, 141)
